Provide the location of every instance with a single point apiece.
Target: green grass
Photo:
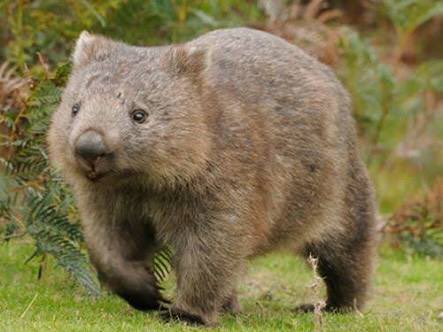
(407, 296)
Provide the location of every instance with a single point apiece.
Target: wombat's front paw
(173, 313)
(146, 300)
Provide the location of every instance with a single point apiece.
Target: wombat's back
(286, 116)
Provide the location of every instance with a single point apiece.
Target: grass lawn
(408, 296)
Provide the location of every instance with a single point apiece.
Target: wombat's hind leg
(346, 269)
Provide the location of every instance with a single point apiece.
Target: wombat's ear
(185, 60)
(90, 48)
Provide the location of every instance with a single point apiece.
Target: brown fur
(249, 146)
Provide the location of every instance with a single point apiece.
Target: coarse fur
(248, 146)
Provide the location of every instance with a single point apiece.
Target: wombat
(223, 148)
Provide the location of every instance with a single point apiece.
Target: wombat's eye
(75, 109)
(139, 116)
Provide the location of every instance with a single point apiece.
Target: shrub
(418, 223)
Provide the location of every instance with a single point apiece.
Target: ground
(407, 296)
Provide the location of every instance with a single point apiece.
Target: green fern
(384, 102)
(36, 202)
(408, 15)
(162, 264)
(56, 235)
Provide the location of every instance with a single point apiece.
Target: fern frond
(56, 235)
(162, 264)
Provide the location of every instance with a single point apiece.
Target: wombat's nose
(90, 146)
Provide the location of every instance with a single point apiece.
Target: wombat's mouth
(95, 173)
(96, 169)
(94, 176)
(114, 175)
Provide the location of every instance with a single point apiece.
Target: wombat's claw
(171, 313)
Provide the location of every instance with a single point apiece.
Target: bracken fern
(36, 201)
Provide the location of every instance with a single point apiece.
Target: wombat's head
(131, 111)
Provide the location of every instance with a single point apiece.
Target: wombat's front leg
(207, 270)
(122, 255)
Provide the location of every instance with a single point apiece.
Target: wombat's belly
(305, 196)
